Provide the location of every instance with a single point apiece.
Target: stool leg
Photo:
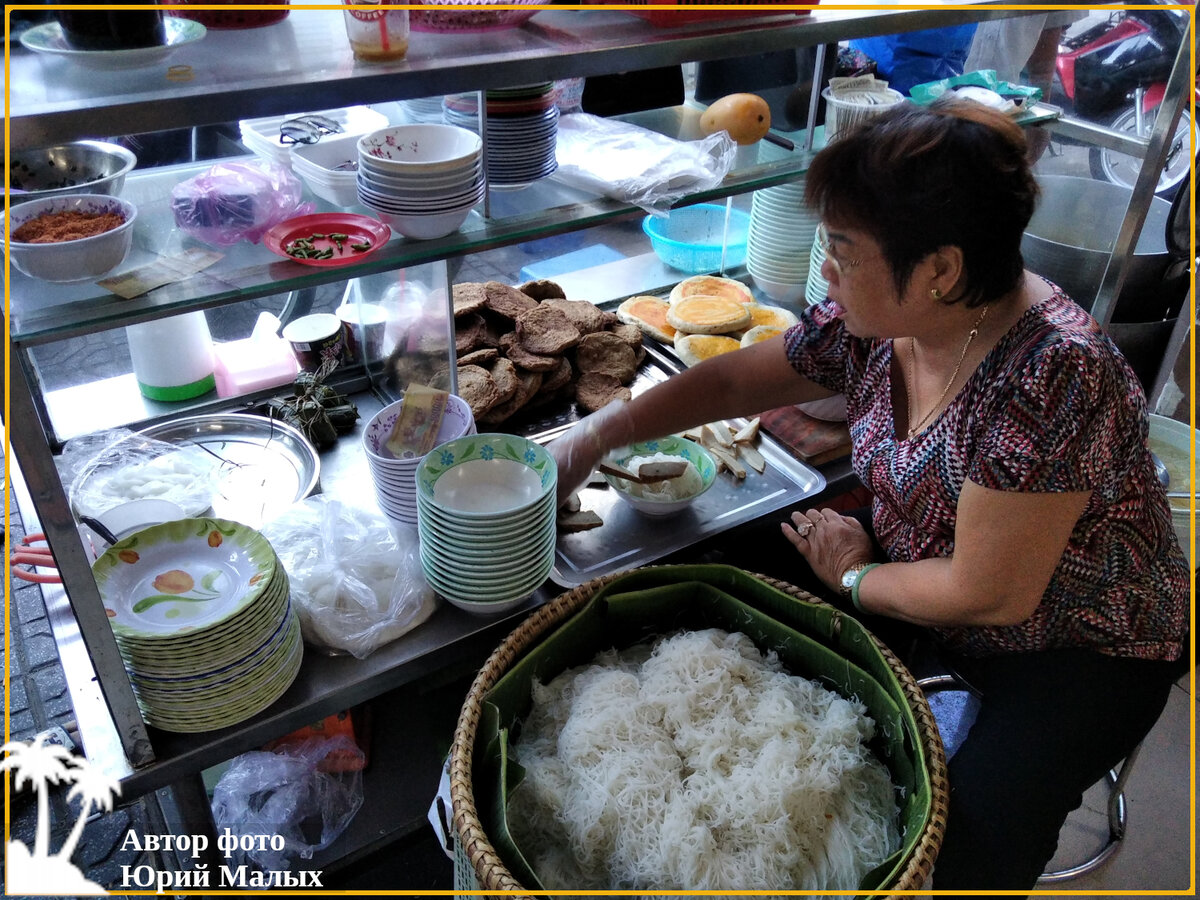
(1117, 823)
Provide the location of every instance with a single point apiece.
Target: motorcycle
(1115, 73)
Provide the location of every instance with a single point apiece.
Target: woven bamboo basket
(478, 866)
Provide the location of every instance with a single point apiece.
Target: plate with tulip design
(182, 576)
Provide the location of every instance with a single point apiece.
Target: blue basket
(690, 238)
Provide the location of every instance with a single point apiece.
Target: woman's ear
(946, 268)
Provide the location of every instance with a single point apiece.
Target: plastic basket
(685, 14)
(691, 239)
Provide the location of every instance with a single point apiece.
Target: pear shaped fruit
(746, 117)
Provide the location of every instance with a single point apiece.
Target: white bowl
(779, 291)
(415, 147)
(486, 448)
(425, 227)
(398, 205)
(674, 446)
(66, 262)
(390, 178)
(456, 422)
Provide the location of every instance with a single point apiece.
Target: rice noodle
(699, 764)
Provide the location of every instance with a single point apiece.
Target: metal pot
(1072, 233)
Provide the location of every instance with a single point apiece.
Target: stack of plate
(522, 131)
(486, 519)
(261, 136)
(422, 110)
(423, 180)
(780, 240)
(394, 476)
(817, 288)
(201, 615)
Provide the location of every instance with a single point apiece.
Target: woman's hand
(577, 452)
(829, 541)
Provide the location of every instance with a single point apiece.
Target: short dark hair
(916, 178)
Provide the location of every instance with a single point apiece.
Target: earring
(935, 294)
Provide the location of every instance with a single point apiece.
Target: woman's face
(861, 283)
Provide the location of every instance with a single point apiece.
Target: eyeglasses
(307, 129)
(840, 265)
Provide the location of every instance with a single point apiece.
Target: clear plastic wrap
(108, 468)
(636, 165)
(235, 201)
(356, 584)
(287, 792)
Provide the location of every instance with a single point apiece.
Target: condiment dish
(649, 504)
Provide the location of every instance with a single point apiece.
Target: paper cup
(364, 325)
(315, 339)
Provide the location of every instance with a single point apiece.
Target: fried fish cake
(595, 390)
(468, 297)
(506, 301)
(585, 316)
(606, 352)
(543, 289)
(546, 331)
(476, 386)
(531, 362)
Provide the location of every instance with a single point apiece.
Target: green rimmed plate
(183, 576)
(505, 482)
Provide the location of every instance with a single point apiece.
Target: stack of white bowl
(522, 131)
(817, 288)
(422, 110)
(423, 180)
(395, 476)
(486, 519)
(780, 241)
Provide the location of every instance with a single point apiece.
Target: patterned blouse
(1052, 407)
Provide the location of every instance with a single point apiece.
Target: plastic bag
(636, 165)
(355, 583)
(108, 468)
(1016, 97)
(236, 201)
(286, 793)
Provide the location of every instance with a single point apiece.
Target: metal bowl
(82, 167)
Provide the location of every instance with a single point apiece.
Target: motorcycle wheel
(1119, 168)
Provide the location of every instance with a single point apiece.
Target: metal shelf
(305, 63)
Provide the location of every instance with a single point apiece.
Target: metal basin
(1072, 233)
(82, 167)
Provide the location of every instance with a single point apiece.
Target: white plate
(48, 38)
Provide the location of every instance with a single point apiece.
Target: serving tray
(629, 539)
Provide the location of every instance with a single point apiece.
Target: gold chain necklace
(912, 355)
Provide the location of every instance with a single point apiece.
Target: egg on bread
(711, 286)
(759, 333)
(650, 315)
(775, 316)
(705, 314)
(695, 348)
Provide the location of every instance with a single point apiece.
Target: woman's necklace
(912, 355)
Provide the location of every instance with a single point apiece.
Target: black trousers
(1050, 725)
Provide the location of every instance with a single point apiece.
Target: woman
(1016, 510)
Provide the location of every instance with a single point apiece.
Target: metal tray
(266, 465)
(628, 539)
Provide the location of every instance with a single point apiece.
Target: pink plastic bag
(236, 201)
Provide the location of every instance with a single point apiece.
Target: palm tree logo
(43, 764)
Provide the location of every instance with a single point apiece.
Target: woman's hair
(920, 178)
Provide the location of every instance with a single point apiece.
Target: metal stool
(1117, 777)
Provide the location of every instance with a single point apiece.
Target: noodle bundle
(699, 764)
